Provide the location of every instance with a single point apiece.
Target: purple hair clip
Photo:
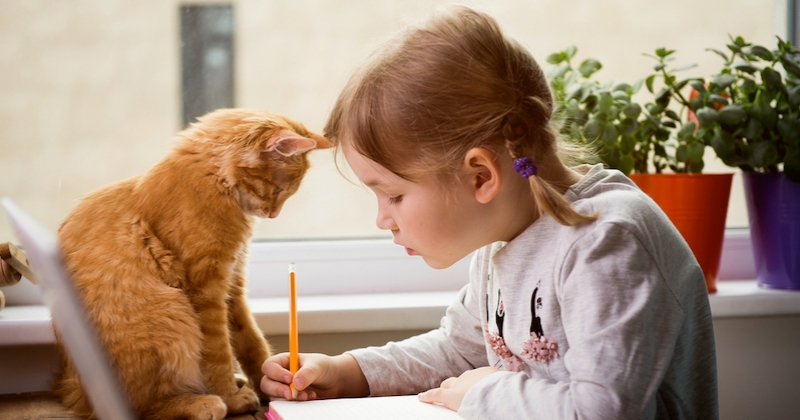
(525, 167)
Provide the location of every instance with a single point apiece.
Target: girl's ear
(288, 143)
(483, 171)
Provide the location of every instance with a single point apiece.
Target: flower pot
(773, 208)
(697, 204)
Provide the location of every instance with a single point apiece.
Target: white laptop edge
(44, 256)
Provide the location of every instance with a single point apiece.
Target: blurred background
(93, 91)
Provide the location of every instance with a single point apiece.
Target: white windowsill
(30, 325)
(372, 285)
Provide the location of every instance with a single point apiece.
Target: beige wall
(90, 90)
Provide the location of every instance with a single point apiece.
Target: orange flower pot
(697, 204)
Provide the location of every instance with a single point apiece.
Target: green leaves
(732, 115)
(718, 100)
(762, 154)
(749, 112)
(756, 96)
(791, 164)
(591, 130)
(723, 81)
(794, 97)
(723, 145)
(589, 67)
(628, 126)
(562, 56)
(605, 103)
(698, 85)
(632, 110)
(744, 66)
(791, 65)
(707, 117)
(685, 67)
(649, 82)
(687, 129)
(720, 53)
(626, 164)
(772, 79)
(663, 52)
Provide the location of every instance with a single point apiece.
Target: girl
(583, 300)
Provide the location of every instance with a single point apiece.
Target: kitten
(159, 260)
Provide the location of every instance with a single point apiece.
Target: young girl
(583, 300)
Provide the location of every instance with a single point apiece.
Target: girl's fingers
(275, 389)
(307, 395)
(431, 396)
(439, 396)
(276, 379)
(278, 390)
(306, 375)
(276, 365)
(447, 383)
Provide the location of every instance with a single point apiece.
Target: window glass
(93, 91)
(206, 59)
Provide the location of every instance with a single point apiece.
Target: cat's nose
(275, 211)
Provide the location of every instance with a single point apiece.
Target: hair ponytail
(530, 120)
(549, 201)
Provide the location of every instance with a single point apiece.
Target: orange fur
(159, 260)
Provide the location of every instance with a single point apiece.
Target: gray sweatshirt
(609, 320)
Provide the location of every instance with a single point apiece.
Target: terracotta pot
(697, 204)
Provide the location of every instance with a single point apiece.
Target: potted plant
(637, 139)
(757, 129)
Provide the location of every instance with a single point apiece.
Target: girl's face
(426, 217)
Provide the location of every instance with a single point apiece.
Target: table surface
(43, 405)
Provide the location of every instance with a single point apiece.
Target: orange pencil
(294, 362)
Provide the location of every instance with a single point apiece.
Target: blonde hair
(455, 83)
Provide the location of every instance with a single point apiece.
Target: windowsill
(30, 325)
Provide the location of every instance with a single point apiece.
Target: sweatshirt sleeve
(422, 362)
(621, 321)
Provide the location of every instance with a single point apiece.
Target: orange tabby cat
(159, 259)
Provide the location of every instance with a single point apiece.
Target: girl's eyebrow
(374, 183)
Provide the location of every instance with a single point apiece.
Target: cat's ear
(288, 143)
(322, 142)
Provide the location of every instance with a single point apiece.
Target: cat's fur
(158, 261)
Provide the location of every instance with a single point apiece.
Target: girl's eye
(395, 200)
(277, 190)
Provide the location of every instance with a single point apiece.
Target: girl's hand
(452, 391)
(319, 377)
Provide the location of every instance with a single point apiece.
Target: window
(93, 92)
(793, 20)
(206, 59)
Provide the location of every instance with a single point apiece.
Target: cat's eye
(395, 200)
(276, 190)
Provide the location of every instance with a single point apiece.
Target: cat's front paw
(241, 380)
(243, 401)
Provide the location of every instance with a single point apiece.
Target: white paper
(371, 408)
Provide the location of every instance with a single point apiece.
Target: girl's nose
(384, 220)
